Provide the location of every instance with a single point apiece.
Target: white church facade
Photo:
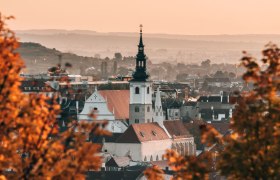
(99, 106)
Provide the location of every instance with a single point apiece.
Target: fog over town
(188, 49)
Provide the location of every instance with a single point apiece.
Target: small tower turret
(158, 113)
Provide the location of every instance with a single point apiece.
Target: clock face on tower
(141, 48)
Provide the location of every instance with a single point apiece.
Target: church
(148, 135)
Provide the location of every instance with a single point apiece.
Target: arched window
(157, 158)
(137, 109)
(151, 159)
(148, 90)
(137, 90)
(148, 109)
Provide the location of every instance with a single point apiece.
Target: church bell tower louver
(140, 107)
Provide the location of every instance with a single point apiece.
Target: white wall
(154, 148)
(138, 151)
(142, 97)
(124, 149)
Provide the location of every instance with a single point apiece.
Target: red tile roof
(176, 129)
(118, 100)
(137, 133)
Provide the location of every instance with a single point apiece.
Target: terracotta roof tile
(118, 101)
(137, 133)
(176, 129)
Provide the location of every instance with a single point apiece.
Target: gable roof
(118, 162)
(137, 133)
(222, 127)
(176, 129)
(117, 101)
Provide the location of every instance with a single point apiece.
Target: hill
(39, 58)
(159, 47)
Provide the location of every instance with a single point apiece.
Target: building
(149, 134)
(141, 142)
(218, 82)
(215, 107)
(110, 105)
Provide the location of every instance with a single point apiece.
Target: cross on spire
(141, 26)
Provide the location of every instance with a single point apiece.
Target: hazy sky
(157, 16)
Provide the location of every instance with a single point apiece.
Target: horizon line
(153, 33)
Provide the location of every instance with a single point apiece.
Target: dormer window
(142, 134)
(154, 133)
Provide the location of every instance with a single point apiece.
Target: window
(148, 90)
(136, 109)
(142, 134)
(95, 109)
(136, 121)
(137, 90)
(148, 109)
(154, 133)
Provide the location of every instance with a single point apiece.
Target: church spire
(141, 39)
(140, 73)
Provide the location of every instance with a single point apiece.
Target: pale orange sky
(157, 16)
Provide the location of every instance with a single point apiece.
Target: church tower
(140, 106)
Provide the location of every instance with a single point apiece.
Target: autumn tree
(251, 148)
(30, 145)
